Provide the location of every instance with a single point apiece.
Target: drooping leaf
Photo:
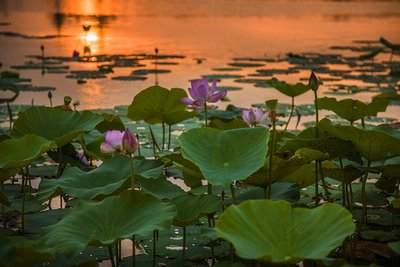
(110, 122)
(17, 251)
(106, 222)
(286, 235)
(373, 144)
(157, 104)
(21, 152)
(160, 188)
(226, 156)
(109, 178)
(291, 90)
(190, 207)
(54, 124)
(395, 246)
(352, 109)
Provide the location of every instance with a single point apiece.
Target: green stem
(59, 169)
(363, 122)
(154, 248)
(351, 197)
(133, 181)
(316, 183)
(169, 136)
(316, 135)
(3, 209)
(163, 136)
(205, 113)
(116, 254)
(133, 251)
(316, 113)
(364, 198)
(291, 114)
(184, 246)
(271, 156)
(9, 114)
(344, 185)
(325, 185)
(111, 256)
(137, 137)
(23, 202)
(233, 194)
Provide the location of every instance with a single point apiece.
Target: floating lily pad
(129, 78)
(221, 157)
(111, 220)
(228, 88)
(246, 64)
(222, 76)
(288, 235)
(226, 69)
(86, 74)
(288, 89)
(149, 71)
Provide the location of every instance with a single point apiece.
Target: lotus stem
(116, 254)
(133, 251)
(163, 136)
(133, 182)
(111, 256)
(205, 114)
(328, 197)
(154, 141)
(23, 202)
(3, 210)
(233, 194)
(271, 155)
(351, 197)
(363, 122)
(184, 246)
(169, 136)
(154, 248)
(316, 135)
(364, 197)
(9, 114)
(137, 137)
(291, 114)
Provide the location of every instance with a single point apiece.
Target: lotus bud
(314, 82)
(129, 142)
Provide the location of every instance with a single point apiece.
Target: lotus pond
(272, 160)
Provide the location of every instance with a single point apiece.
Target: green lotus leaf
(110, 122)
(352, 109)
(395, 246)
(109, 178)
(21, 152)
(283, 168)
(233, 124)
(372, 144)
(291, 90)
(55, 124)
(225, 156)
(160, 188)
(111, 220)
(157, 104)
(190, 208)
(286, 234)
(17, 251)
(7, 173)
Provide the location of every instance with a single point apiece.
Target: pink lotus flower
(254, 116)
(117, 141)
(201, 93)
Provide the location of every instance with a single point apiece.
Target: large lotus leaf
(21, 152)
(108, 179)
(352, 109)
(55, 124)
(305, 174)
(160, 188)
(291, 90)
(111, 220)
(191, 173)
(157, 104)
(282, 234)
(190, 208)
(395, 246)
(225, 156)
(232, 124)
(17, 251)
(282, 168)
(335, 147)
(372, 144)
(110, 122)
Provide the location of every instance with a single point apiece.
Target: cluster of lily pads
(180, 187)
